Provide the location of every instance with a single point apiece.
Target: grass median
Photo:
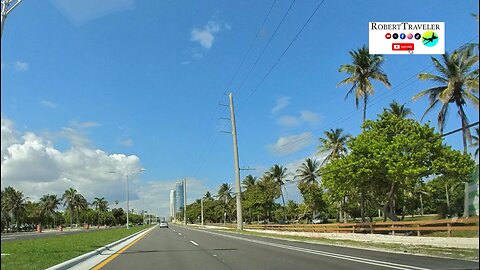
(45, 252)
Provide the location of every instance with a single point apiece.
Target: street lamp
(127, 193)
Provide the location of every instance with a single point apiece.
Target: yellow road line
(113, 256)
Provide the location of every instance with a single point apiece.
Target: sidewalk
(454, 242)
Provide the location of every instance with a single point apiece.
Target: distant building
(172, 204)
(179, 199)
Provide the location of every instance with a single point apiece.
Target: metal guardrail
(448, 225)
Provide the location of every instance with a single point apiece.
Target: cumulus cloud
(304, 117)
(280, 104)
(291, 144)
(33, 165)
(205, 35)
(20, 66)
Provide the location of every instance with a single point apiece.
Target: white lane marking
(194, 243)
(179, 234)
(328, 254)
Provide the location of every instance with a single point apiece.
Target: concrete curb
(72, 262)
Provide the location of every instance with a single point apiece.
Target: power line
(266, 45)
(353, 113)
(229, 85)
(283, 53)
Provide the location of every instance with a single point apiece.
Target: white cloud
(281, 103)
(291, 144)
(33, 165)
(83, 11)
(288, 121)
(205, 36)
(48, 104)
(20, 66)
(309, 117)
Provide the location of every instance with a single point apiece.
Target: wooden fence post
(418, 231)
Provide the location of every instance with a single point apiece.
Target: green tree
(279, 174)
(101, 207)
(225, 195)
(309, 185)
(334, 143)
(390, 156)
(399, 109)
(14, 204)
(456, 82)
(48, 204)
(364, 68)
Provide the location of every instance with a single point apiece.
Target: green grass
(453, 253)
(469, 234)
(45, 252)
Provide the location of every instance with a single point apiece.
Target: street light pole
(128, 209)
(127, 194)
(6, 10)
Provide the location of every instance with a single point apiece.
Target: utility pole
(6, 10)
(185, 201)
(237, 167)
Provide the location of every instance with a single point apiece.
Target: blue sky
(144, 79)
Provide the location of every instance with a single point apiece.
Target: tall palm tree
(249, 182)
(48, 204)
(224, 194)
(307, 172)
(363, 69)
(335, 143)
(101, 206)
(475, 141)
(14, 203)
(279, 174)
(68, 199)
(399, 109)
(456, 83)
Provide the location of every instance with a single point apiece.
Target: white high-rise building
(172, 204)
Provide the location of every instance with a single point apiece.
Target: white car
(163, 224)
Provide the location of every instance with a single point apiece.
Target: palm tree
(279, 174)
(399, 109)
(475, 141)
(249, 182)
(68, 199)
(307, 173)
(48, 205)
(365, 67)
(456, 83)
(335, 143)
(14, 203)
(101, 206)
(224, 195)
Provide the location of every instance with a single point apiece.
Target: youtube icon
(403, 46)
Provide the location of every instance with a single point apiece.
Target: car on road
(163, 224)
(319, 221)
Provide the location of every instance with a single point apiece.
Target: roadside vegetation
(19, 213)
(45, 252)
(396, 167)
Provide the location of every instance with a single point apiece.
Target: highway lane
(185, 248)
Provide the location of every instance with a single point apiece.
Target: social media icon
(395, 36)
(402, 36)
(418, 36)
(388, 35)
(410, 36)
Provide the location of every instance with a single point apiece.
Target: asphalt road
(185, 248)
